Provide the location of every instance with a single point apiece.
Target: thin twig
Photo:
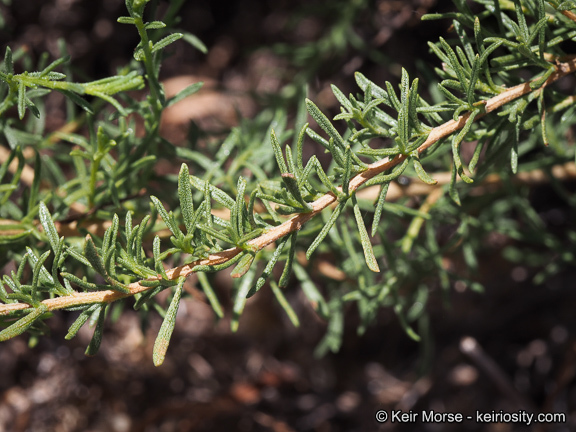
(298, 221)
(470, 347)
(418, 221)
(530, 178)
(569, 14)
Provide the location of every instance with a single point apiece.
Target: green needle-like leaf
(186, 200)
(402, 318)
(80, 321)
(284, 303)
(217, 194)
(269, 267)
(158, 265)
(38, 267)
(8, 62)
(154, 25)
(243, 266)
(96, 340)
(165, 333)
(80, 282)
(183, 94)
(291, 184)
(36, 182)
(283, 282)
(167, 218)
(48, 225)
(422, 175)
(386, 178)
(218, 267)
(379, 208)
(324, 123)
(240, 298)
(21, 100)
(237, 214)
(365, 238)
(92, 256)
(195, 42)
(311, 291)
(452, 191)
(210, 294)
(23, 324)
(324, 232)
(278, 152)
(163, 43)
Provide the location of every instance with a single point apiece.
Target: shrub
(400, 173)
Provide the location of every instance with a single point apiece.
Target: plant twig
(569, 14)
(298, 221)
(470, 347)
(534, 177)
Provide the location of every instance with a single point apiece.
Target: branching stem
(297, 222)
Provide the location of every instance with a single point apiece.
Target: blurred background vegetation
(261, 55)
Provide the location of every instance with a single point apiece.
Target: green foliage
(277, 203)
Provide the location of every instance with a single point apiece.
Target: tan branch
(569, 14)
(296, 222)
(563, 172)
